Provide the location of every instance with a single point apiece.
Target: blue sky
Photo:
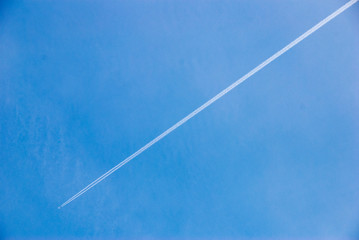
(84, 84)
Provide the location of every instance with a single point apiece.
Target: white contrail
(212, 100)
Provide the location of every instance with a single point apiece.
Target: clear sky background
(84, 84)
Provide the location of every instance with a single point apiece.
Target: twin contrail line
(212, 100)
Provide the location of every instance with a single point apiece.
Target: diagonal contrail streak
(212, 100)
